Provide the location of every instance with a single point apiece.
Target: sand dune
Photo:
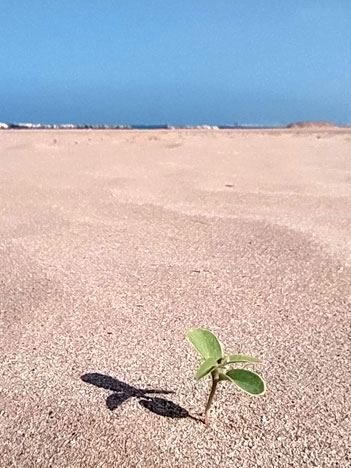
(114, 243)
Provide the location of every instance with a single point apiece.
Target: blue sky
(177, 62)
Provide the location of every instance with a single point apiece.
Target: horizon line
(140, 126)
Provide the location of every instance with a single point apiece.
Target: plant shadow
(122, 392)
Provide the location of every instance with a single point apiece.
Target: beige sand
(114, 243)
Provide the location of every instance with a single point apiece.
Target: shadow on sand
(122, 392)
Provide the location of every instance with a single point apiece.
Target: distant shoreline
(292, 126)
(30, 126)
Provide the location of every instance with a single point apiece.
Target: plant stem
(215, 381)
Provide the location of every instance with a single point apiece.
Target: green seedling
(214, 362)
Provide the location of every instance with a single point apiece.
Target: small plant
(214, 362)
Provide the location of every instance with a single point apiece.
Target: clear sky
(177, 62)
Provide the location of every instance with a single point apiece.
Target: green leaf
(205, 368)
(247, 381)
(232, 358)
(206, 343)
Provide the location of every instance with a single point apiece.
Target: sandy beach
(114, 243)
